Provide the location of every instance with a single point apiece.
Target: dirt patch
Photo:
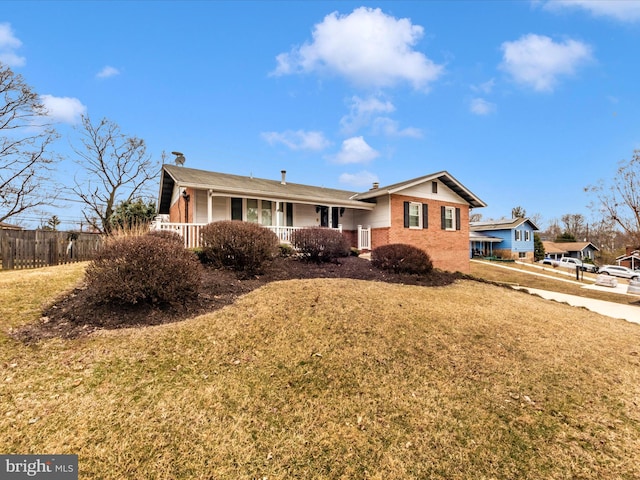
(72, 315)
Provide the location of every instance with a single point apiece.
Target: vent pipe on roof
(376, 185)
(284, 177)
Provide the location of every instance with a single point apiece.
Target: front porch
(190, 232)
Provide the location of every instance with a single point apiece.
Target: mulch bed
(72, 315)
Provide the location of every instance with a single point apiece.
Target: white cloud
(298, 140)
(367, 47)
(355, 150)
(621, 10)
(364, 113)
(107, 72)
(358, 180)
(9, 43)
(63, 109)
(361, 112)
(480, 106)
(390, 128)
(537, 61)
(485, 87)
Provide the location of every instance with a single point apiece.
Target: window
(449, 222)
(267, 216)
(416, 215)
(450, 218)
(518, 234)
(434, 187)
(252, 210)
(527, 236)
(522, 254)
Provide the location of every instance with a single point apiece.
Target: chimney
(284, 177)
(376, 185)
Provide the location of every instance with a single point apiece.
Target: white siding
(305, 215)
(379, 217)
(221, 208)
(424, 190)
(200, 206)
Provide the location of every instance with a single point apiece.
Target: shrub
(401, 258)
(241, 246)
(286, 250)
(169, 235)
(143, 269)
(319, 244)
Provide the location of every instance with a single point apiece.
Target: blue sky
(524, 102)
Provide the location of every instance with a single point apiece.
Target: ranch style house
(430, 212)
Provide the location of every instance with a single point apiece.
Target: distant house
(7, 226)
(507, 238)
(581, 250)
(631, 259)
(430, 212)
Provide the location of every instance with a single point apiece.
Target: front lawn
(329, 378)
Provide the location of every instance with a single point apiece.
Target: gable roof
(554, 248)
(257, 187)
(445, 177)
(173, 175)
(502, 224)
(565, 247)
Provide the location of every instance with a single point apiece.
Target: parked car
(548, 261)
(619, 271)
(572, 263)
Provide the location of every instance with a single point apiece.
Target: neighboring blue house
(506, 238)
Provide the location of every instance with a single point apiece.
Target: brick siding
(448, 249)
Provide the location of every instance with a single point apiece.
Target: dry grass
(331, 379)
(547, 278)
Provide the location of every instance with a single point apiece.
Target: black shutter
(236, 209)
(406, 214)
(425, 215)
(457, 219)
(289, 208)
(443, 218)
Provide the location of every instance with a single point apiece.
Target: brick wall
(448, 249)
(177, 210)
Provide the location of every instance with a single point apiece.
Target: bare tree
(620, 201)
(537, 219)
(574, 225)
(25, 137)
(115, 168)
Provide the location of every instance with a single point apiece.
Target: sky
(525, 103)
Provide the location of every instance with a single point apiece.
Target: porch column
(210, 206)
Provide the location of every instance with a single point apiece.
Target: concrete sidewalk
(631, 313)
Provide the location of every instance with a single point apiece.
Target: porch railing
(190, 232)
(364, 238)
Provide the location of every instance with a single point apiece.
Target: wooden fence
(39, 248)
